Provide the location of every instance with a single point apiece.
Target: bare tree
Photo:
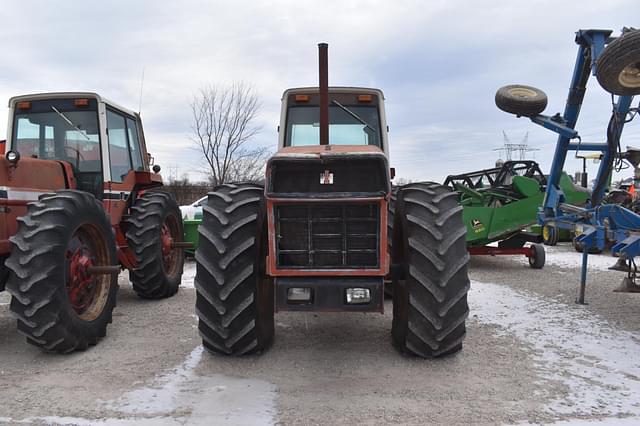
(223, 124)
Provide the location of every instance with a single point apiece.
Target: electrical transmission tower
(520, 148)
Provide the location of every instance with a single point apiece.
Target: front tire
(429, 242)
(59, 305)
(235, 300)
(154, 225)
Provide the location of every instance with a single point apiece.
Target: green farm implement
(500, 203)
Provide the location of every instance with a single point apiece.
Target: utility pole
(520, 148)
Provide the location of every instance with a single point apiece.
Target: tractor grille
(328, 236)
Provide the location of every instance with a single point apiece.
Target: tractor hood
(21, 184)
(328, 171)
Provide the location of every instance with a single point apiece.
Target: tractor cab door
(125, 157)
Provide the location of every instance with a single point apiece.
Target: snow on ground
(188, 273)
(599, 364)
(181, 397)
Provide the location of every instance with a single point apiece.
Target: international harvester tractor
(78, 203)
(325, 232)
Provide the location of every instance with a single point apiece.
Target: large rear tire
(59, 305)
(235, 300)
(388, 285)
(618, 67)
(430, 298)
(154, 225)
(521, 100)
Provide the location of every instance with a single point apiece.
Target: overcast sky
(439, 64)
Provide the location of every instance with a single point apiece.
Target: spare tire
(618, 67)
(521, 100)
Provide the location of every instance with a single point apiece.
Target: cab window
(348, 125)
(119, 158)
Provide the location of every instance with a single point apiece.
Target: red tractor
(326, 231)
(78, 203)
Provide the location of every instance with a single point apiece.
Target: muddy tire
(550, 235)
(618, 67)
(59, 306)
(155, 222)
(4, 274)
(539, 257)
(430, 298)
(234, 300)
(521, 100)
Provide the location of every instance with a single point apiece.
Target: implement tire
(59, 306)
(430, 298)
(521, 100)
(550, 235)
(618, 67)
(155, 223)
(234, 299)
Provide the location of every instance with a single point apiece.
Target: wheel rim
(545, 233)
(87, 292)
(630, 76)
(168, 234)
(522, 92)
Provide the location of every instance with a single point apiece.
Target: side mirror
(12, 157)
(156, 168)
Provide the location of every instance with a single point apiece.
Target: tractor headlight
(358, 296)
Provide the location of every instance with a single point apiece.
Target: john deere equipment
(314, 237)
(615, 61)
(501, 202)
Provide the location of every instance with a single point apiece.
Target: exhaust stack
(323, 63)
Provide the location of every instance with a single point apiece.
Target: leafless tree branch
(224, 122)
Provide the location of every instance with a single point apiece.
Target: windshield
(346, 125)
(59, 130)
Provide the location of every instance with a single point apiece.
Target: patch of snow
(600, 365)
(188, 274)
(184, 397)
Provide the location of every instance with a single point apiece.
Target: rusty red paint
(498, 251)
(81, 286)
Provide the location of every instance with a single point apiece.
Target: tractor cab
(356, 117)
(98, 141)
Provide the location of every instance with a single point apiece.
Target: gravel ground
(531, 356)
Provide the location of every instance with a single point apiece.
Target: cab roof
(61, 95)
(334, 89)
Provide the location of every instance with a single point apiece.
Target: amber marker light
(302, 98)
(81, 102)
(365, 98)
(24, 105)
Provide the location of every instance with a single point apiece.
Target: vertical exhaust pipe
(323, 63)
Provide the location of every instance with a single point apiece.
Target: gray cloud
(439, 64)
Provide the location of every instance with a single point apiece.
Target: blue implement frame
(598, 223)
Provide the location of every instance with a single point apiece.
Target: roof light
(81, 102)
(23, 105)
(302, 98)
(365, 98)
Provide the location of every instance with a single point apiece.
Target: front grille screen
(340, 236)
